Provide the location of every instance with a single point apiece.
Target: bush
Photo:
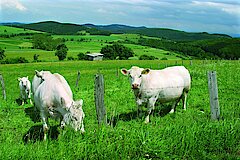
(71, 58)
(82, 56)
(15, 60)
(117, 50)
(146, 57)
(164, 58)
(2, 55)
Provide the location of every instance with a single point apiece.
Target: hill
(164, 33)
(54, 27)
(68, 28)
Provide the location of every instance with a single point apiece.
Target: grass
(15, 46)
(183, 135)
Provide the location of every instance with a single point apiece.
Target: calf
(25, 89)
(167, 85)
(54, 99)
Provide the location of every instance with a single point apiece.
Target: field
(20, 46)
(187, 134)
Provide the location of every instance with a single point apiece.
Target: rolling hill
(68, 28)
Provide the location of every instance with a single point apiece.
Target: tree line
(223, 48)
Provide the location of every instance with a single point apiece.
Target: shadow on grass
(34, 115)
(19, 101)
(160, 111)
(35, 133)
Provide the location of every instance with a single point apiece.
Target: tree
(2, 55)
(117, 51)
(82, 56)
(35, 57)
(61, 52)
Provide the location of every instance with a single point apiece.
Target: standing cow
(167, 85)
(25, 89)
(53, 99)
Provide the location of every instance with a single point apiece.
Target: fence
(3, 87)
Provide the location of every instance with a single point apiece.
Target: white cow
(25, 89)
(54, 100)
(167, 85)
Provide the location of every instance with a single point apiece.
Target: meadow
(20, 46)
(187, 134)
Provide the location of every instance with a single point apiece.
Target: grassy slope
(183, 135)
(13, 30)
(20, 46)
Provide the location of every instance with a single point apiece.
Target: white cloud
(233, 9)
(12, 4)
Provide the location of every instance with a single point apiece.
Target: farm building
(95, 56)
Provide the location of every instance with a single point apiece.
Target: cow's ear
(38, 74)
(124, 71)
(146, 71)
(19, 79)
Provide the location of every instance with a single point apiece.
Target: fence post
(190, 62)
(78, 78)
(99, 99)
(213, 91)
(3, 87)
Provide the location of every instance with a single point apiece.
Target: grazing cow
(53, 99)
(167, 85)
(25, 89)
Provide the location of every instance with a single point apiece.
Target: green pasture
(21, 45)
(13, 30)
(187, 134)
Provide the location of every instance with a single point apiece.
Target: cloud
(229, 8)
(12, 4)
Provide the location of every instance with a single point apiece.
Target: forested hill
(67, 28)
(165, 33)
(54, 27)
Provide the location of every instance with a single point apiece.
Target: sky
(212, 16)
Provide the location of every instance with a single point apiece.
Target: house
(95, 56)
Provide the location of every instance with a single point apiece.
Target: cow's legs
(45, 127)
(151, 105)
(184, 100)
(174, 104)
(139, 106)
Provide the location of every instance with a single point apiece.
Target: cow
(54, 100)
(167, 85)
(25, 89)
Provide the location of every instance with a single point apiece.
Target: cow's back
(183, 72)
(50, 92)
(37, 81)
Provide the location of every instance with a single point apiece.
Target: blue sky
(213, 16)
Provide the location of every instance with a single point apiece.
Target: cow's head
(75, 116)
(23, 82)
(135, 75)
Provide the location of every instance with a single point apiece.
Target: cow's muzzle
(135, 86)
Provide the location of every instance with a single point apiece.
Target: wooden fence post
(78, 78)
(3, 87)
(213, 91)
(99, 99)
(190, 62)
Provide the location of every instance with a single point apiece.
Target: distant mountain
(170, 34)
(10, 23)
